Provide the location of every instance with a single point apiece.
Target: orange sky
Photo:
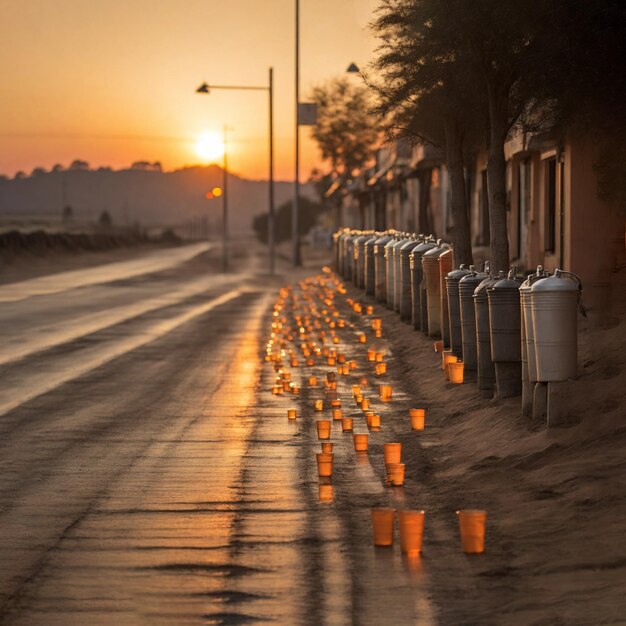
(113, 81)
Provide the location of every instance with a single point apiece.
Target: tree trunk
(423, 216)
(461, 236)
(496, 179)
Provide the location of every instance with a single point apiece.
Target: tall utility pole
(225, 204)
(205, 88)
(270, 216)
(296, 196)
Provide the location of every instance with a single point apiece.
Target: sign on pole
(307, 113)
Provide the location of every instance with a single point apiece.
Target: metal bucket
(418, 290)
(380, 273)
(467, 286)
(405, 277)
(389, 271)
(486, 368)
(446, 263)
(555, 302)
(359, 259)
(454, 311)
(397, 268)
(504, 316)
(430, 264)
(370, 274)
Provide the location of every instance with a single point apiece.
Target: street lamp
(205, 88)
(295, 209)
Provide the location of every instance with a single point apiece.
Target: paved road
(147, 477)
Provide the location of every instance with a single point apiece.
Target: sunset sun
(209, 146)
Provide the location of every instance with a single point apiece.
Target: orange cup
(444, 354)
(374, 422)
(360, 442)
(295, 390)
(371, 355)
(327, 446)
(369, 309)
(324, 464)
(455, 371)
(292, 414)
(378, 332)
(377, 323)
(362, 338)
(335, 403)
(331, 360)
(395, 474)
(382, 526)
(358, 398)
(385, 392)
(337, 414)
(379, 357)
(347, 424)
(312, 381)
(365, 404)
(393, 453)
(472, 525)
(318, 405)
(447, 359)
(411, 529)
(352, 365)
(417, 418)
(323, 429)
(381, 368)
(356, 389)
(326, 493)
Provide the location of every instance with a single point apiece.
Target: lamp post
(225, 204)
(295, 209)
(206, 88)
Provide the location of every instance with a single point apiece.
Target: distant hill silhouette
(141, 193)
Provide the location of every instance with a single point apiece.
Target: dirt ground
(556, 540)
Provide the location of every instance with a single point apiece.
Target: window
(523, 205)
(550, 205)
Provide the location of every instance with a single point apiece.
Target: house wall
(594, 229)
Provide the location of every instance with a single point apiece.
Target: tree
(79, 165)
(489, 49)
(310, 212)
(345, 130)
(68, 214)
(105, 221)
(424, 94)
(37, 172)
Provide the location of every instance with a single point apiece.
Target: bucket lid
(533, 278)
(409, 245)
(510, 282)
(435, 252)
(560, 281)
(473, 278)
(487, 283)
(427, 244)
(382, 239)
(458, 273)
